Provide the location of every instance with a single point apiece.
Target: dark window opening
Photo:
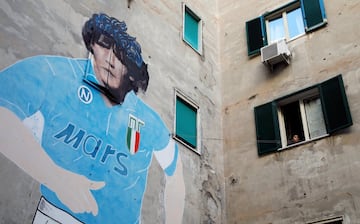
(336, 222)
(293, 122)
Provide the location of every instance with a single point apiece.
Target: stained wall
(309, 182)
(30, 28)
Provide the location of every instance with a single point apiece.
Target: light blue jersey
(84, 135)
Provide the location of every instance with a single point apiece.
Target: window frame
(335, 108)
(179, 95)
(188, 11)
(327, 220)
(283, 12)
(314, 17)
(312, 93)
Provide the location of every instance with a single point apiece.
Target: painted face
(109, 70)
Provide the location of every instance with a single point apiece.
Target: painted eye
(105, 41)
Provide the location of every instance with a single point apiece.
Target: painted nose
(110, 58)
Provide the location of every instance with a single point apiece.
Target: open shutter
(313, 13)
(335, 105)
(256, 35)
(267, 128)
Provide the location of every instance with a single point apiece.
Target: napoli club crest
(133, 134)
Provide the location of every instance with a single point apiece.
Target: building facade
(267, 178)
(230, 82)
(183, 90)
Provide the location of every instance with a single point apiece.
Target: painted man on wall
(91, 139)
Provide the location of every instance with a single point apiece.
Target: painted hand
(75, 192)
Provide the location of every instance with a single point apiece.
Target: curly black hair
(129, 53)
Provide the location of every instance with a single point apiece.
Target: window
(310, 114)
(285, 25)
(192, 29)
(286, 22)
(337, 220)
(186, 121)
(302, 119)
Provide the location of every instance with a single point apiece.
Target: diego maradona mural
(78, 127)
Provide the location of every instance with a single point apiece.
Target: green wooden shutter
(256, 35)
(191, 28)
(313, 13)
(335, 105)
(186, 122)
(267, 128)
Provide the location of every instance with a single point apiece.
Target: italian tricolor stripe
(133, 140)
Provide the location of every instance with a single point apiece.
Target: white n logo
(85, 94)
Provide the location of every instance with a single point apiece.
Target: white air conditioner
(275, 53)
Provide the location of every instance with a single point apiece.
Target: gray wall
(313, 181)
(30, 28)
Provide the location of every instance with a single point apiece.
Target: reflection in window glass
(314, 117)
(277, 31)
(295, 23)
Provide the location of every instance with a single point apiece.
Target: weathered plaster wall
(30, 28)
(308, 182)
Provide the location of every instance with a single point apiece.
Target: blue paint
(94, 149)
(67, 132)
(172, 167)
(123, 170)
(83, 135)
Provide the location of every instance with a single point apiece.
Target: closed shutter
(256, 35)
(335, 105)
(313, 13)
(267, 128)
(186, 122)
(191, 32)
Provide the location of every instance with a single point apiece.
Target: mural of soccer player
(78, 127)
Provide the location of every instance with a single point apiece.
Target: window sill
(295, 38)
(303, 142)
(182, 142)
(191, 46)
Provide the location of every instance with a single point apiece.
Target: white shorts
(47, 213)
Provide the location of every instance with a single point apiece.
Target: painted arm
(175, 186)
(18, 144)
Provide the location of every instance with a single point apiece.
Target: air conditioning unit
(275, 53)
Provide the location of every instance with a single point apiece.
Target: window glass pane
(186, 122)
(191, 30)
(295, 23)
(277, 31)
(314, 117)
